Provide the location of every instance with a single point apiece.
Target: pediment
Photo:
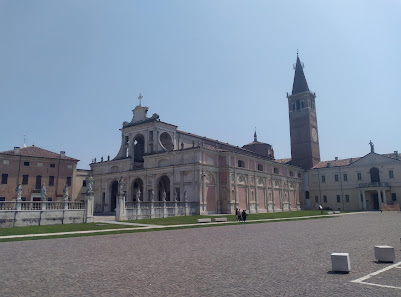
(372, 159)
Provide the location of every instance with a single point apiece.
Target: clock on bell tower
(304, 135)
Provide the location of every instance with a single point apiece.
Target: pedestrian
(236, 213)
(321, 209)
(244, 215)
(239, 215)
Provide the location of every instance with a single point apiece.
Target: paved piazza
(269, 259)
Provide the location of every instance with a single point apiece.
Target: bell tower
(304, 135)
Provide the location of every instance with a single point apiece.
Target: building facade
(33, 166)
(158, 162)
(363, 183)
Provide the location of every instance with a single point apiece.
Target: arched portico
(164, 187)
(137, 190)
(113, 195)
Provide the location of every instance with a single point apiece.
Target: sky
(71, 71)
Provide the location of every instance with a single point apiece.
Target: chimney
(328, 164)
(16, 150)
(397, 157)
(62, 154)
(336, 158)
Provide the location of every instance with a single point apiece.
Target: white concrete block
(340, 262)
(206, 220)
(384, 253)
(220, 219)
(330, 212)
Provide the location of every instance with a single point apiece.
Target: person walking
(243, 215)
(239, 215)
(236, 214)
(321, 209)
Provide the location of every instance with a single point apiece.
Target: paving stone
(289, 258)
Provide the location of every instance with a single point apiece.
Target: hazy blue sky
(71, 71)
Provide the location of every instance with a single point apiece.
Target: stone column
(359, 199)
(379, 198)
(89, 203)
(65, 197)
(138, 209)
(121, 214)
(364, 200)
(384, 196)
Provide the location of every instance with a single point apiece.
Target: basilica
(160, 163)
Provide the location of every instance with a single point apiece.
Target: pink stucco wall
(211, 199)
(261, 199)
(276, 199)
(223, 177)
(222, 161)
(242, 198)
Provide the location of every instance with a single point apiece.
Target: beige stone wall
(353, 186)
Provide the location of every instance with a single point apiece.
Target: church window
(4, 178)
(298, 104)
(323, 178)
(26, 163)
(25, 179)
(84, 183)
(338, 198)
(241, 163)
(260, 167)
(346, 198)
(52, 165)
(166, 141)
(393, 196)
(374, 175)
(325, 199)
(51, 180)
(69, 181)
(391, 173)
(345, 177)
(275, 170)
(291, 173)
(316, 199)
(359, 175)
(336, 177)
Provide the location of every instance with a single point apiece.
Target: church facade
(158, 162)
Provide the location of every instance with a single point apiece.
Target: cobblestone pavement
(289, 258)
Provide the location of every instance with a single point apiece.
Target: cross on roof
(140, 98)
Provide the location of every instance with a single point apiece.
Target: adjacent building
(33, 166)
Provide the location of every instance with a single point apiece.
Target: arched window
(275, 170)
(298, 105)
(291, 173)
(139, 148)
(260, 167)
(241, 163)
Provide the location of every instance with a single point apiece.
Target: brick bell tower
(305, 151)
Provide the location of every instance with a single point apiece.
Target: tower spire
(255, 137)
(300, 85)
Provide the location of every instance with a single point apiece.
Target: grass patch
(149, 230)
(230, 217)
(58, 228)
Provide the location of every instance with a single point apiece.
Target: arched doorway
(113, 195)
(137, 184)
(374, 175)
(164, 186)
(139, 148)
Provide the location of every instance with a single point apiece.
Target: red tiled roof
(345, 162)
(37, 152)
(335, 163)
(283, 161)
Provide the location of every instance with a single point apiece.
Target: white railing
(40, 205)
(160, 209)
